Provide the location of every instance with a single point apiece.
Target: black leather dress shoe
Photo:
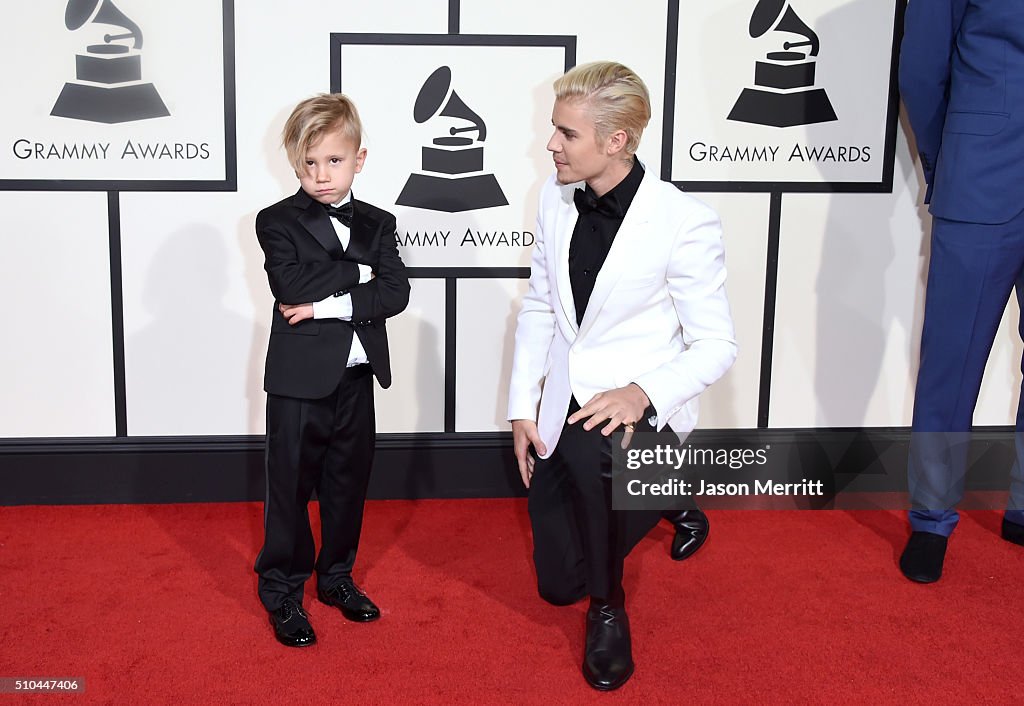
(1012, 532)
(608, 656)
(291, 625)
(352, 602)
(922, 559)
(691, 533)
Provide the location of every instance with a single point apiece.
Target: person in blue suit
(962, 80)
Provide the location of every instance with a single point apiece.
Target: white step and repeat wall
(192, 164)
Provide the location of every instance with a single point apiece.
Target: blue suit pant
(972, 271)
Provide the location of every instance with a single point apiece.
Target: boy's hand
(294, 313)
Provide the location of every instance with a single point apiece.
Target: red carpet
(157, 604)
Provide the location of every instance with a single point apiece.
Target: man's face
(330, 166)
(578, 153)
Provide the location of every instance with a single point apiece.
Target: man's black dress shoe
(691, 532)
(291, 625)
(1012, 532)
(352, 602)
(608, 656)
(922, 559)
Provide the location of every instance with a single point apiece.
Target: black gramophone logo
(453, 164)
(109, 86)
(785, 94)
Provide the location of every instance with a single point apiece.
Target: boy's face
(578, 153)
(330, 166)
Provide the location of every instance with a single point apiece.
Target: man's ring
(628, 425)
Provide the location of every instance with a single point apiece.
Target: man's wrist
(646, 399)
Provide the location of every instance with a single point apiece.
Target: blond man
(625, 323)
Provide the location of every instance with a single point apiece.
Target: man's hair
(315, 117)
(616, 98)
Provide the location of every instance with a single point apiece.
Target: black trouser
(326, 444)
(579, 542)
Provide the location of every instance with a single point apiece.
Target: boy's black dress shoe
(352, 602)
(691, 532)
(608, 656)
(291, 625)
(1012, 532)
(922, 559)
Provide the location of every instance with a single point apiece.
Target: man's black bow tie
(343, 213)
(586, 202)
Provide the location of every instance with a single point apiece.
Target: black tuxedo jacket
(305, 263)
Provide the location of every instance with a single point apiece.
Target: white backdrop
(196, 303)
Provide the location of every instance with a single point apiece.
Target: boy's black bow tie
(343, 213)
(587, 202)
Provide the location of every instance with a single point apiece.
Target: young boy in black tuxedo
(336, 275)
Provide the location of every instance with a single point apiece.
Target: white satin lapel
(565, 223)
(627, 241)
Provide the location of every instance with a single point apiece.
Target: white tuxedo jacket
(658, 315)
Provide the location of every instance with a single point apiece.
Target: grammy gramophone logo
(109, 87)
(453, 165)
(784, 93)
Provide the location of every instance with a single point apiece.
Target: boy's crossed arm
(375, 295)
(294, 281)
(387, 294)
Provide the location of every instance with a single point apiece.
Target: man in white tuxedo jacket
(625, 323)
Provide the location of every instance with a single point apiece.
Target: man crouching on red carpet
(626, 312)
(335, 273)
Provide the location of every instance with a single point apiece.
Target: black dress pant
(579, 542)
(326, 444)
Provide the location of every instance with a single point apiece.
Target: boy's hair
(616, 98)
(313, 118)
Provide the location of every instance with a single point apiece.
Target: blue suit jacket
(962, 80)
